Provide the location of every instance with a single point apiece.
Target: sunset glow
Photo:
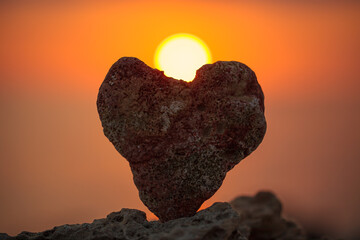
(180, 55)
(56, 165)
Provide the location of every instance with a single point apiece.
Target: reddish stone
(181, 138)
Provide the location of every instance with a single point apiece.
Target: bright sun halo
(180, 55)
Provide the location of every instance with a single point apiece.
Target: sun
(180, 55)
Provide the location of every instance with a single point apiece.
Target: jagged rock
(253, 218)
(262, 214)
(219, 221)
(179, 137)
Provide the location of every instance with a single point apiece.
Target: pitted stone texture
(253, 218)
(218, 222)
(179, 137)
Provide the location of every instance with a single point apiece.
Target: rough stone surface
(219, 221)
(253, 218)
(179, 137)
(262, 213)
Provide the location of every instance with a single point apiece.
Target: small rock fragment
(181, 138)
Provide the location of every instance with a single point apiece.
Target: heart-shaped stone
(179, 137)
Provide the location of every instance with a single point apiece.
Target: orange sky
(57, 167)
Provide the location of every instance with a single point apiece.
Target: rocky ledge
(255, 218)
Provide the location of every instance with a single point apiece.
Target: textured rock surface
(253, 218)
(181, 138)
(262, 214)
(219, 221)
